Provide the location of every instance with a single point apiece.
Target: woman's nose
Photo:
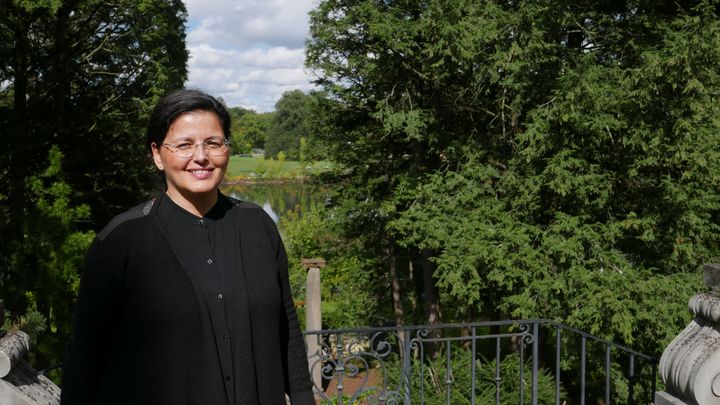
(200, 154)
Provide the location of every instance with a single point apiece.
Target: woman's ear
(156, 156)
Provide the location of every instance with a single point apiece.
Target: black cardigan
(141, 335)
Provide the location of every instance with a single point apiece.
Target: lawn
(257, 167)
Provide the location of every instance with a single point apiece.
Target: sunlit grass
(257, 167)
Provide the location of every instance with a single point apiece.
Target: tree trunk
(431, 301)
(396, 290)
(396, 286)
(467, 332)
(432, 295)
(19, 136)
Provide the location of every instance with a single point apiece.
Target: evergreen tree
(78, 78)
(529, 159)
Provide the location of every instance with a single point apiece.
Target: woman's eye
(184, 146)
(213, 144)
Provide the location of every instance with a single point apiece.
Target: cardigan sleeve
(297, 376)
(96, 311)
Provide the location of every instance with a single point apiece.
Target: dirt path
(351, 385)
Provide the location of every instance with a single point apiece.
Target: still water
(280, 198)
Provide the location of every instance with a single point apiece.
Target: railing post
(498, 379)
(472, 366)
(313, 315)
(583, 353)
(631, 380)
(522, 366)
(407, 365)
(536, 336)
(607, 374)
(558, 342)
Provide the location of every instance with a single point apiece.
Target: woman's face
(194, 179)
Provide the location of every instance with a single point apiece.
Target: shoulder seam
(138, 211)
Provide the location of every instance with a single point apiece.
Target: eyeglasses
(212, 147)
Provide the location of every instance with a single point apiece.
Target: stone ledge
(25, 386)
(665, 398)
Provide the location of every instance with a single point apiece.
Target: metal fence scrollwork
(518, 362)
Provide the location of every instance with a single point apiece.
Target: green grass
(257, 167)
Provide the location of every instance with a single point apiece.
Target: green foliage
(430, 379)
(30, 5)
(249, 129)
(78, 80)
(347, 287)
(570, 270)
(510, 382)
(32, 322)
(256, 167)
(548, 159)
(48, 258)
(295, 117)
(83, 76)
(303, 152)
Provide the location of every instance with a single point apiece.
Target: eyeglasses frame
(226, 142)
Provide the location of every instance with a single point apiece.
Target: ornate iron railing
(518, 362)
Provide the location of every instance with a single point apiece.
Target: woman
(185, 299)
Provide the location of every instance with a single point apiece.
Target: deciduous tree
(295, 117)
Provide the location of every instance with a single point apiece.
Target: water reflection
(280, 198)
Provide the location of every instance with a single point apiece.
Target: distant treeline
(290, 129)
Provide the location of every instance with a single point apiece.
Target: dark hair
(180, 102)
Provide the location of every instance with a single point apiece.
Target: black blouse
(207, 248)
(174, 311)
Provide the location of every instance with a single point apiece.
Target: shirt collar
(218, 211)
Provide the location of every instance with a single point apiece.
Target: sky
(249, 52)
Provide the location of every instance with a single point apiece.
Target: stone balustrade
(690, 365)
(20, 384)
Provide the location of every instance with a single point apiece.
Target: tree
(249, 129)
(534, 159)
(78, 78)
(292, 120)
(348, 287)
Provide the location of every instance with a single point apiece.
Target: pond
(277, 199)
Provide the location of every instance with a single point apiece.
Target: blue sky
(248, 51)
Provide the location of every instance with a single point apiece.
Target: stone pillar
(313, 317)
(690, 365)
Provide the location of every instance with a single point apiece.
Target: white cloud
(248, 52)
(242, 23)
(253, 78)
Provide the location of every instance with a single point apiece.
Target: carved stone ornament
(20, 384)
(690, 365)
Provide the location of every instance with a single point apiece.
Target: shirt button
(227, 378)
(223, 337)
(219, 296)
(201, 222)
(209, 261)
